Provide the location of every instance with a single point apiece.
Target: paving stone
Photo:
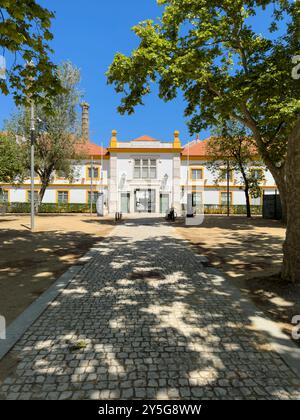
(197, 392)
(67, 395)
(185, 393)
(143, 319)
(127, 394)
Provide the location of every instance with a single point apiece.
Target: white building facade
(144, 175)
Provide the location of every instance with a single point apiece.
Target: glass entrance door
(164, 203)
(145, 201)
(125, 203)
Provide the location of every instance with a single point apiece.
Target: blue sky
(89, 34)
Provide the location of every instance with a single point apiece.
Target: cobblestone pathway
(144, 319)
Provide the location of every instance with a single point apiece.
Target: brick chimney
(85, 126)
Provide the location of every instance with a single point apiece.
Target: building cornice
(192, 158)
(264, 187)
(25, 186)
(238, 187)
(145, 150)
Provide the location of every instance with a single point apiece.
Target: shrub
(46, 208)
(234, 210)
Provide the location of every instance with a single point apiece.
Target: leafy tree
(56, 133)
(210, 50)
(12, 163)
(24, 36)
(232, 146)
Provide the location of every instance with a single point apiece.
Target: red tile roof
(145, 138)
(196, 148)
(200, 148)
(91, 149)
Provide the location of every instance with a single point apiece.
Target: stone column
(132, 198)
(176, 195)
(113, 185)
(157, 199)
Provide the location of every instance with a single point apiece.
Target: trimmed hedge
(46, 208)
(234, 210)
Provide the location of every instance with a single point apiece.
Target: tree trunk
(278, 173)
(248, 203)
(279, 177)
(280, 180)
(244, 175)
(291, 261)
(43, 190)
(45, 180)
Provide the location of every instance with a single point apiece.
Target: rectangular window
(197, 174)
(256, 201)
(3, 196)
(153, 173)
(94, 196)
(197, 199)
(93, 172)
(145, 169)
(36, 196)
(224, 198)
(153, 169)
(137, 173)
(145, 172)
(63, 197)
(223, 175)
(137, 169)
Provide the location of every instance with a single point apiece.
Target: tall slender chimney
(85, 127)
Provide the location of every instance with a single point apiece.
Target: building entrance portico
(145, 201)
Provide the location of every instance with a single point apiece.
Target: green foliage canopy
(57, 132)
(24, 36)
(12, 164)
(210, 50)
(231, 144)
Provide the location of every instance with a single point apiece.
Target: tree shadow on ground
(5, 220)
(232, 222)
(148, 322)
(132, 221)
(243, 254)
(252, 258)
(29, 263)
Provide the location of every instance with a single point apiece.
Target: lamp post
(228, 188)
(32, 140)
(92, 184)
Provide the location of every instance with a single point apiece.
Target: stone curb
(280, 342)
(18, 327)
